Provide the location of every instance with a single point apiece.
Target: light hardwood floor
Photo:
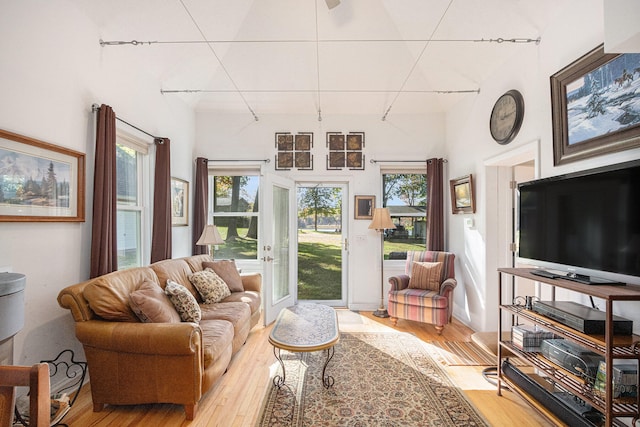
(236, 399)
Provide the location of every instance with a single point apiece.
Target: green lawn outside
(319, 263)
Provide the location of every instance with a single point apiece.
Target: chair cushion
(228, 271)
(210, 286)
(217, 335)
(418, 297)
(152, 305)
(184, 302)
(426, 275)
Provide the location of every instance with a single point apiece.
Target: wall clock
(506, 117)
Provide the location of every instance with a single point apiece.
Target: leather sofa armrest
(399, 282)
(448, 286)
(143, 338)
(72, 298)
(251, 281)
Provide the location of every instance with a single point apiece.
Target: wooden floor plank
(235, 401)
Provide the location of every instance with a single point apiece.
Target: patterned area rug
(381, 379)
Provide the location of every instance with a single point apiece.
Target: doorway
(322, 243)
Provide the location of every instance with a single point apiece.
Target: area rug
(462, 353)
(381, 379)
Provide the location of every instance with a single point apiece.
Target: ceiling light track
(499, 40)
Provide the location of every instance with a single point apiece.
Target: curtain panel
(161, 235)
(435, 205)
(200, 204)
(104, 250)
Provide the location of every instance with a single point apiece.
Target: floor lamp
(381, 221)
(210, 236)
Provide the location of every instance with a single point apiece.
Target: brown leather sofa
(131, 362)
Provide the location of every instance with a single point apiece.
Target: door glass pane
(128, 232)
(280, 243)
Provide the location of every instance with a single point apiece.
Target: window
(130, 156)
(405, 194)
(236, 214)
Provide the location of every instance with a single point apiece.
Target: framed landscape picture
(462, 197)
(596, 106)
(179, 202)
(40, 181)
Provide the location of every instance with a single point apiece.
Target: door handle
(267, 259)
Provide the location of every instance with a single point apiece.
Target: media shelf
(610, 346)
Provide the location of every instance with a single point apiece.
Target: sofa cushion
(210, 286)
(228, 271)
(108, 295)
(177, 270)
(217, 336)
(184, 302)
(152, 305)
(238, 313)
(426, 275)
(248, 297)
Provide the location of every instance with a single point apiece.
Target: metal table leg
(327, 380)
(278, 380)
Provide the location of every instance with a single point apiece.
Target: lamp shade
(381, 219)
(210, 236)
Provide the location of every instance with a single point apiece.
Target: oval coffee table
(305, 327)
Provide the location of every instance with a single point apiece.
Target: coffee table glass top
(305, 327)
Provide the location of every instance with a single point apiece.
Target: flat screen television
(585, 223)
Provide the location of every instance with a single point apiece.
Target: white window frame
(144, 190)
(244, 169)
(400, 169)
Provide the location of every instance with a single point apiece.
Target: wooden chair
(35, 377)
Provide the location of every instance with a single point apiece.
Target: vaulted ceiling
(303, 57)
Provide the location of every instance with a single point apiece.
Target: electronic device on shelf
(565, 406)
(575, 277)
(573, 357)
(582, 318)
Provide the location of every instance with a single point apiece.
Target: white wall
(470, 145)
(53, 69)
(398, 138)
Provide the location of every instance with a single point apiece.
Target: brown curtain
(200, 204)
(161, 236)
(435, 205)
(104, 250)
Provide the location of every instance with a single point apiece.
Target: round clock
(506, 117)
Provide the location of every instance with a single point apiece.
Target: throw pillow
(210, 286)
(184, 302)
(425, 275)
(228, 271)
(152, 305)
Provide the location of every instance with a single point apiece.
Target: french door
(279, 246)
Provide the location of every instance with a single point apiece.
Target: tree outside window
(405, 195)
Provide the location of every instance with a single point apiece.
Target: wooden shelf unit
(610, 346)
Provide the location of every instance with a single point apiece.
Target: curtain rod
(96, 107)
(404, 161)
(240, 160)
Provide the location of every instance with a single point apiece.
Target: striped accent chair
(424, 305)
